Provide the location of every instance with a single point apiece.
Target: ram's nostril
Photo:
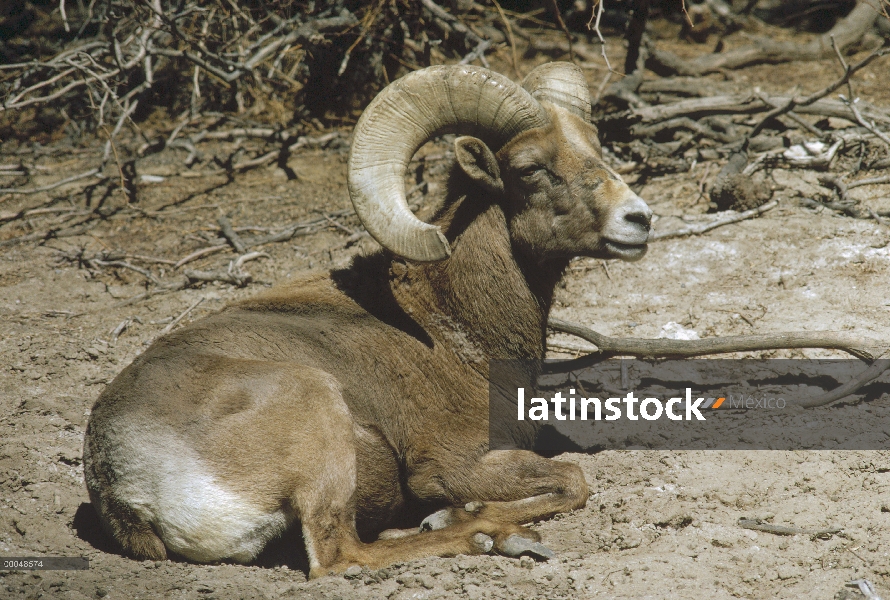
(641, 218)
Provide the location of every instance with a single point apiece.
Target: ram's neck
(482, 300)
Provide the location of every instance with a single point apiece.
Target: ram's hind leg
(321, 460)
(326, 504)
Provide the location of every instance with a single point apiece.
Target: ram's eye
(529, 172)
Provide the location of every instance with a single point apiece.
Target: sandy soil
(657, 525)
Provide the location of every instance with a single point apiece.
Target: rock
(738, 192)
(630, 539)
(353, 572)
(787, 572)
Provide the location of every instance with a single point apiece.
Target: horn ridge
(562, 84)
(461, 99)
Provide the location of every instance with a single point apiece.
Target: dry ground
(658, 524)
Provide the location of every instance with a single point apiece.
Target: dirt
(658, 524)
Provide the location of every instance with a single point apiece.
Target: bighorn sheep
(338, 400)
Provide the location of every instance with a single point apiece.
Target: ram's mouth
(629, 252)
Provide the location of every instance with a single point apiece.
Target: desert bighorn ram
(338, 400)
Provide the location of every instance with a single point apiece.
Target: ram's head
(532, 147)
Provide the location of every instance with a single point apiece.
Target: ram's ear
(478, 162)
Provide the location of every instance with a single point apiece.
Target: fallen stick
(571, 348)
(124, 265)
(719, 222)
(74, 230)
(239, 279)
(225, 226)
(181, 316)
(741, 104)
(796, 101)
(152, 259)
(877, 217)
(758, 525)
(51, 186)
(660, 348)
(847, 31)
(166, 288)
(848, 209)
(870, 181)
(870, 374)
(199, 253)
(851, 104)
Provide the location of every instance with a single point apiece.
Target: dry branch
(869, 181)
(876, 369)
(846, 32)
(660, 348)
(718, 222)
(225, 227)
(741, 104)
(51, 186)
(180, 317)
(796, 102)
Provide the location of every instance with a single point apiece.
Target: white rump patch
(165, 482)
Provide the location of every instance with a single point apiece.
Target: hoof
(516, 545)
(394, 534)
(438, 520)
(483, 542)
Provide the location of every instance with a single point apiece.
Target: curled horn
(460, 99)
(562, 84)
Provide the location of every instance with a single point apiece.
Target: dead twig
(661, 348)
(851, 104)
(718, 222)
(123, 265)
(838, 184)
(878, 218)
(117, 331)
(457, 25)
(510, 38)
(664, 348)
(181, 316)
(235, 266)
(595, 19)
(758, 525)
(847, 209)
(199, 254)
(164, 288)
(51, 186)
(765, 50)
(877, 369)
(238, 279)
(870, 181)
(796, 101)
(225, 227)
(696, 108)
(558, 15)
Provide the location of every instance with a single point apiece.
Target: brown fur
(343, 399)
